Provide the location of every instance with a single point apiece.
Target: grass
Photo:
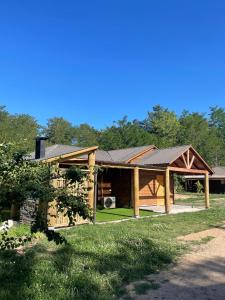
(99, 260)
(115, 214)
(216, 200)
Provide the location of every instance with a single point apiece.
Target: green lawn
(216, 200)
(114, 214)
(99, 259)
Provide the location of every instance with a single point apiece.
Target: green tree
(22, 179)
(23, 130)
(59, 131)
(164, 125)
(4, 124)
(195, 130)
(124, 134)
(217, 121)
(85, 135)
(19, 129)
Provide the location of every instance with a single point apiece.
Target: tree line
(161, 127)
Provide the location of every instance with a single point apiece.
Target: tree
(124, 134)
(4, 124)
(23, 131)
(85, 136)
(19, 129)
(164, 125)
(59, 131)
(22, 179)
(217, 121)
(195, 130)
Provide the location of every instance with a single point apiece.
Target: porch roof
(183, 157)
(164, 156)
(219, 174)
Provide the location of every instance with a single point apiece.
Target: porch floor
(175, 209)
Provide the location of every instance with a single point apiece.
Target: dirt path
(199, 275)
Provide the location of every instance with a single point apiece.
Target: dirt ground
(199, 275)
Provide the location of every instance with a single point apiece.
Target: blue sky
(96, 61)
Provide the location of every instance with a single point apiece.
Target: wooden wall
(118, 183)
(115, 182)
(152, 188)
(56, 219)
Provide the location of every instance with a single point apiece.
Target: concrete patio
(175, 209)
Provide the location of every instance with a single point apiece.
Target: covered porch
(144, 183)
(151, 187)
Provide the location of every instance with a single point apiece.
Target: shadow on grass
(69, 272)
(101, 275)
(15, 274)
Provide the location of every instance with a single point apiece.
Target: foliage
(179, 182)
(7, 242)
(100, 260)
(85, 136)
(160, 127)
(21, 179)
(72, 199)
(59, 131)
(163, 124)
(199, 187)
(124, 134)
(20, 129)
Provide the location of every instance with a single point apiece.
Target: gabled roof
(147, 156)
(163, 156)
(171, 156)
(120, 155)
(124, 155)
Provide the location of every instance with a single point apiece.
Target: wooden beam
(183, 170)
(91, 167)
(207, 205)
(184, 160)
(71, 154)
(136, 192)
(188, 158)
(192, 161)
(167, 191)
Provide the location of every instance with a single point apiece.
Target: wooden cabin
(134, 177)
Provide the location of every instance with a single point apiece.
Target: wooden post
(131, 203)
(136, 192)
(207, 205)
(91, 167)
(167, 191)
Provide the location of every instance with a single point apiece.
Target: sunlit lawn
(216, 200)
(115, 214)
(99, 259)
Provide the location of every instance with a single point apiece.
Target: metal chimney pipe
(40, 147)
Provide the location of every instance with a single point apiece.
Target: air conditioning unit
(109, 202)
